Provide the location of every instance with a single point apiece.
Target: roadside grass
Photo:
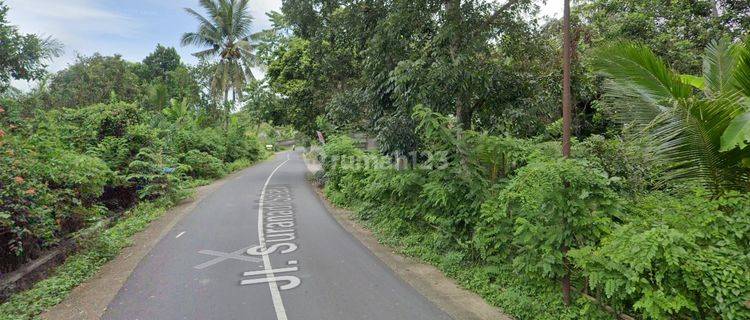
(94, 253)
(239, 164)
(496, 281)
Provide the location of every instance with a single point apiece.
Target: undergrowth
(510, 219)
(80, 267)
(497, 283)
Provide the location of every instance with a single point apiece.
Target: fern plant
(696, 125)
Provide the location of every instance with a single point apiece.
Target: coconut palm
(686, 118)
(224, 33)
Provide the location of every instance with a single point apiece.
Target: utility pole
(566, 105)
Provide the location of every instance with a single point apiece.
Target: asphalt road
(311, 267)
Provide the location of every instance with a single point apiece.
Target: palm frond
(742, 70)
(684, 129)
(246, 49)
(212, 7)
(242, 19)
(204, 22)
(718, 65)
(687, 143)
(195, 39)
(205, 54)
(50, 48)
(637, 67)
(224, 18)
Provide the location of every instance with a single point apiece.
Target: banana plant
(699, 126)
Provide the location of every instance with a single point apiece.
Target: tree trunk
(566, 132)
(566, 99)
(453, 22)
(231, 106)
(226, 109)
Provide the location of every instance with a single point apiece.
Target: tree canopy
(22, 56)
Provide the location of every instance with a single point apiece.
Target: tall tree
(224, 33)
(92, 80)
(22, 56)
(159, 63)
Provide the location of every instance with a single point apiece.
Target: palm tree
(697, 126)
(224, 33)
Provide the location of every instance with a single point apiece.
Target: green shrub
(686, 257)
(26, 216)
(84, 175)
(628, 161)
(155, 175)
(190, 137)
(552, 204)
(45, 193)
(506, 208)
(254, 150)
(94, 123)
(240, 145)
(77, 181)
(202, 165)
(501, 156)
(61, 168)
(336, 151)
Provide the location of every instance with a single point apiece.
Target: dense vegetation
(102, 135)
(497, 221)
(64, 168)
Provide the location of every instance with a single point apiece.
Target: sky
(131, 28)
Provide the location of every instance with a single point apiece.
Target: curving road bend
(264, 247)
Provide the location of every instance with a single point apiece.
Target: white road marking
(180, 235)
(226, 256)
(278, 304)
(223, 256)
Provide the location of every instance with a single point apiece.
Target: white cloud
(72, 21)
(79, 24)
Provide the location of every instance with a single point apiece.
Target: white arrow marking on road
(278, 304)
(180, 235)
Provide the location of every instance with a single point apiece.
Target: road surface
(219, 262)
